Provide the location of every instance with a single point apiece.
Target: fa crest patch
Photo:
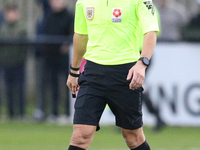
(90, 13)
(117, 15)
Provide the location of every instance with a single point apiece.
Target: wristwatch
(145, 60)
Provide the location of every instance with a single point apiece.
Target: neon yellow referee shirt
(112, 28)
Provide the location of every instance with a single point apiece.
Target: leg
(82, 136)
(67, 105)
(135, 139)
(20, 78)
(89, 106)
(1, 82)
(160, 123)
(40, 71)
(55, 95)
(45, 84)
(63, 65)
(9, 81)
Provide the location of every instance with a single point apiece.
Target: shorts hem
(131, 128)
(89, 124)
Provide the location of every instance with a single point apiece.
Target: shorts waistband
(90, 63)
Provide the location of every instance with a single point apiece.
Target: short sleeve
(147, 16)
(80, 25)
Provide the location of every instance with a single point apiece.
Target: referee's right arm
(80, 44)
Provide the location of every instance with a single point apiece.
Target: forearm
(149, 44)
(80, 44)
(137, 72)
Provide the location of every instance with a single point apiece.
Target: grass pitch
(34, 136)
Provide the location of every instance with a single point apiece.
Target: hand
(72, 83)
(136, 75)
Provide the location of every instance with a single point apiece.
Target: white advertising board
(174, 83)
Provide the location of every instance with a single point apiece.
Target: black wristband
(74, 75)
(74, 69)
(73, 95)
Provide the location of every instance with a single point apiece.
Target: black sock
(74, 148)
(144, 146)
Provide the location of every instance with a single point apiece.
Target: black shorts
(107, 84)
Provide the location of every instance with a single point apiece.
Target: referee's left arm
(149, 44)
(149, 24)
(137, 72)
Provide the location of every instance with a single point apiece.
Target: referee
(106, 35)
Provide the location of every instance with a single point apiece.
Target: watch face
(146, 61)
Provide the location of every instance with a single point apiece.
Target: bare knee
(133, 138)
(82, 136)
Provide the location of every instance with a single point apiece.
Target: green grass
(33, 136)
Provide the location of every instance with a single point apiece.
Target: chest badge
(117, 15)
(90, 13)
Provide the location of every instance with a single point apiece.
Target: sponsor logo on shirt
(90, 13)
(149, 5)
(117, 15)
